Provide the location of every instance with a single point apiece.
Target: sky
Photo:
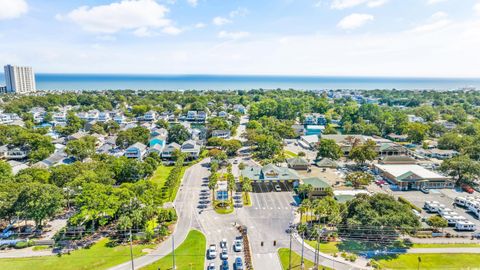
(398, 38)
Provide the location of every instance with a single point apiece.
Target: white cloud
(354, 21)
(233, 35)
(239, 12)
(11, 9)
(138, 15)
(171, 30)
(433, 2)
(437, 21)
(200, 25)
(343, 4)
(477, 8)
(221, 21)
(193, 3)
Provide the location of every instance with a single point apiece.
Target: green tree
(359, 179)
(212, 183)
(232, 146)
(364, 152)
(437, 222)
(178, 133)
(5, 171)
(329, 149)
(462, 168)
(232, 186)
(130, 136)
(32, 174)
(82, 148)
(417, 132)
(38, 202)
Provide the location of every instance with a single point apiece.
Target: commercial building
(19, 80)
(270, 172)
(320, 187)
(412, 176)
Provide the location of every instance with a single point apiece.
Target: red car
(467, 188)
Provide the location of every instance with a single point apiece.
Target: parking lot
(443, 196)
(268, 186)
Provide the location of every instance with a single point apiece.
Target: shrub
(22, 244)
(412, 206)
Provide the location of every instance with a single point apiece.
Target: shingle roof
(327, 163)
(316, 182)
(297, 161)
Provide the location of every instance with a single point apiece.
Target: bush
(22, 244)
(405, 201)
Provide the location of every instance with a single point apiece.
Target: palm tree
(246, 186)
(308, 206)
(304, 190)
(302, 209)
(231, 183)
(212, 183)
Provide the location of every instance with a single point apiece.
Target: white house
(137, 150)
(191, 148)
(119, 118)
(150, 116)
(308, 141)
(224, 134)
(169, 149)
(104, 117)
(38, 114)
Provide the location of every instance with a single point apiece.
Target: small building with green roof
(320, 187)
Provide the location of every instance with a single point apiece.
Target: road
(185, 204)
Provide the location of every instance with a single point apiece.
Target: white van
(461, 201)
(433, 208)
(427, 203)
(444, 211)
(452, 220)
(465, 226)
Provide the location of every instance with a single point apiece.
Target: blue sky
(420, 38)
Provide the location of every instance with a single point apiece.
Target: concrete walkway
(452, 250)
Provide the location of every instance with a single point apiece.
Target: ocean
(234, 82)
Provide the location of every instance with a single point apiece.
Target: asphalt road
(186, 206)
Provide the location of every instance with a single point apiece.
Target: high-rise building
(20, 80)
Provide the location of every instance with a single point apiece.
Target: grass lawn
(459, 245)
(284, 254)
(328, 248)
(97, 257)
(161, 174)
(189, 255)
(174, 193)
(433, 261)
(290, 154)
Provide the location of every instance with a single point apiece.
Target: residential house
(315, 119)
(309, 141)
(414, 118)
(104, 117)
(191, 116)
(398, 138)
(119, 118)
(299, 130)
(412, 176)
(298, 163)
(60, 117)
(150, 116)
(91, 115)
(156, 148)
(169, 149)
(438, 153)
(16, 153)
(240, 108)
(191, 148)
(77, 136)
(326, 163)
(159, 132)
(137, 150)
(223, 114)
(224, 134)
(38, 114)
(320, 187)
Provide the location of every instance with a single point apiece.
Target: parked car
(225, 265)
(238, 264)
(211, 266)
(224, 254)
(238, 245)
(223, 243)
(467, 188)
(424, 190)
(212, 252)
(278, 188)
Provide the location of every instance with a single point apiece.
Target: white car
(212, 252)
(223, 243)
(224, 254)
(238, 246)
(278, 188)
(211, 266)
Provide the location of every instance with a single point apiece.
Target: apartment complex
(19, 80)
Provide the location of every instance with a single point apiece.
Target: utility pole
(303, 244)
(290, 255)
(173, 251)
(317, 253)
(131, 250)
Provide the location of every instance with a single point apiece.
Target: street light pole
(290, 255)
(303, 244)
(131, 250)
(173, 251)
